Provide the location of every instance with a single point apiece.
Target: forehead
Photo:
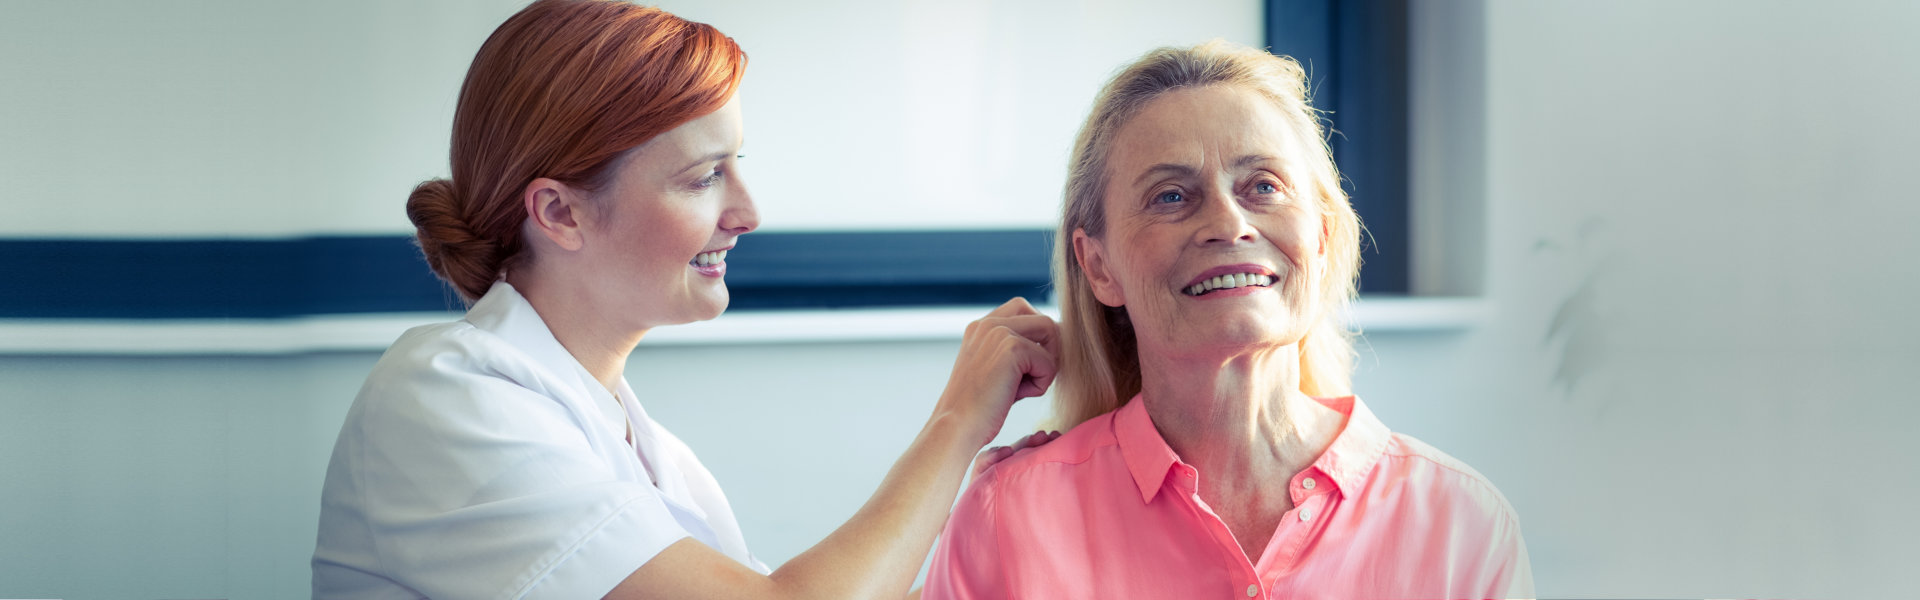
(1198, 127)
(718, 128)
(715, 133)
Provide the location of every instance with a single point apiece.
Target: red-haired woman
(594, 197)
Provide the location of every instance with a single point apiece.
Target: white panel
(228, 118)
(141, 119)
(372, 332)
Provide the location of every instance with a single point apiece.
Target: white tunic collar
(507, 314)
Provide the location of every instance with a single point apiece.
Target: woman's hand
(992, 456)
(1005, 356)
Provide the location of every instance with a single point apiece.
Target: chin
(693, 311)
(1252, 324)
(712, 308)
(1233, 336)
(1251, 340)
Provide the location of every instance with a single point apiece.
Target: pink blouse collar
(1347, 462)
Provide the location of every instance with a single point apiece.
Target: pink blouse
(1109, 511)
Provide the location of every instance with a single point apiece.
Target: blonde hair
(1099, 364)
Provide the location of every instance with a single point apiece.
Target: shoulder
(1412, 449)
(459, 349)
(1443, 500)
(435, 370)
(999, 512)
(452, 347)
(1075, 448)
(1444, 481)
(1038, 484)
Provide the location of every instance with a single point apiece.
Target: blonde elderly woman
(1205, 254)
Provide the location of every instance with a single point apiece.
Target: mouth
(712, 263)
(1228, 278)
(708, 259)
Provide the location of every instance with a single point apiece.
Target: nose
(739, 216)
(1223, 220)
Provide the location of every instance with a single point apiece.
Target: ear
(554, 210)
(1091, 254)
(1325, 232)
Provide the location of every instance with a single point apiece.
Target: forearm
(877, 553)
(1006, 356)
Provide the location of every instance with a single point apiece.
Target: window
(1355, 52)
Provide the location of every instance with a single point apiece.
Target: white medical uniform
(480, 460)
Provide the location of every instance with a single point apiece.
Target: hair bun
(559, 91)
(469, 262)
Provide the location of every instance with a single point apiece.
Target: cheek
(669, 237)
(1145, 276)
(1138, 268)
(1298, 238)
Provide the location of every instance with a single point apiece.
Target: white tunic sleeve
(478, 487)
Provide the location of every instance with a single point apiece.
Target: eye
(1169, 197)
(1267, 190)
(709, 180)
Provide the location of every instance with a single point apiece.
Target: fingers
(1006, 356)
(988, 458)
(1032, 440)
(1021, 319)
(1036, 364)
(1015, 306)
(992, 456)
(1018, 315)
(1039, 328)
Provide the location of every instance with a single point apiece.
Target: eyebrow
(705, 159)
(1179, 169)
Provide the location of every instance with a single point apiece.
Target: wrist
(957, 432)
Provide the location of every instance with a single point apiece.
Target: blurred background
(1653, 275)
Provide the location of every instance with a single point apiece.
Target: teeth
(1230, 281)
(709, 258)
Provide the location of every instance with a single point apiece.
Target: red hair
(560, 91)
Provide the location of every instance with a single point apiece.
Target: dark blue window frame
(1356, 55)
(1355, 51)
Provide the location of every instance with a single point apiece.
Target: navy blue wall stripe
(174, 279)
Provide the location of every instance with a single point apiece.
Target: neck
(582, 327)
(1241, 420)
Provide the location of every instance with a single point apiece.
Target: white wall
(1722, 414)
(250, 119)
(1725, 418)
(199, 477)
(123, 118)
(934, 114)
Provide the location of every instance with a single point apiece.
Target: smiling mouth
(708, 259)
(1229, 281)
